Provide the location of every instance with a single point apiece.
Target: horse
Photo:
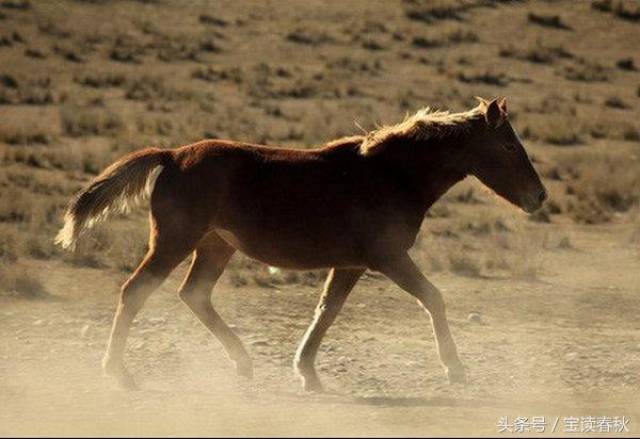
(354, 204)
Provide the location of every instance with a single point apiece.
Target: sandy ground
(565, 345)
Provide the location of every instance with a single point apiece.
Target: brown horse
(355, 204)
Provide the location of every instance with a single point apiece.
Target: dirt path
(566, 345)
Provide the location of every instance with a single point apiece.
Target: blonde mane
(425, 124)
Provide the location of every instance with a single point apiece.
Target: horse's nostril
(542, 196)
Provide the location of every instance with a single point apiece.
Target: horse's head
(500, 161)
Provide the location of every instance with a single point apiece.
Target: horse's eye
(509, 146)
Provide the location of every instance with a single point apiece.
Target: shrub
(308, 37)
(214, 74)
(586, 72)
(435, 13)
(215, 21)
(100, 80)
(615, 102)
(425, 43)
(626, 64)
(17, 281)
(553, 21)
(464, 265)
(19, 135)
(538, 54)
(489, 78)
(601, 185)
(82, 121)
(20, 5)
(462, 36)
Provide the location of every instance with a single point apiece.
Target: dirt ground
(565, 345)
(544, 308)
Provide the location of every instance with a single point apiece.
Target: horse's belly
(291, 251)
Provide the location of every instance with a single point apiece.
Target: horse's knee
(188, 296)
(185, 295)
(194, 292)
(133, 294)
(432, 300)
(202, 276)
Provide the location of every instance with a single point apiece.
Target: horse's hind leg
(210, 258)
(339, 284)
(166, 251)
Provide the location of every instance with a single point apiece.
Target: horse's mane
(348, 140)
(423, 125)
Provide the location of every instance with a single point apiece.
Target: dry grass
(619, 8)
(600, 185)
(554, 130)
(464, 264)
(89, 121)
(15, 279)
(553, 21)
(538, 53)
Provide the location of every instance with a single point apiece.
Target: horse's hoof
(245, 369)
(312, 384)
(456, 375)
(309, 377)
(126, 382)
(120, 374)
(123, 378)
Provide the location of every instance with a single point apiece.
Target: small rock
(138, 344)
(84, 331)
(564, 243)
(274, 271)
(259, 343)
(474, 317)
(501, 226)
(571, 356)
(39, 322)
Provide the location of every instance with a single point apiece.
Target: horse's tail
(117, 188)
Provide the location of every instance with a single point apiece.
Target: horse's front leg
(339, 284)
(407, 276)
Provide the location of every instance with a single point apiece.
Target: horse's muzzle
(534, 201)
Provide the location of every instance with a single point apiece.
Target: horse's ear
(483, 102)
(502, 103)
(493, 114)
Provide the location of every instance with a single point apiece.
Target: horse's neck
(432, 169)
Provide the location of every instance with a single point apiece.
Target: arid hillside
(85, 81)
